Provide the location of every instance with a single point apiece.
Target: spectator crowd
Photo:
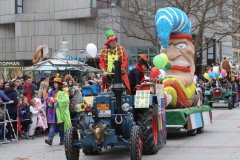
(43, 108)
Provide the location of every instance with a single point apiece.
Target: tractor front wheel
(148, 121)
(71, 136)
(136, 143)
(230, 103)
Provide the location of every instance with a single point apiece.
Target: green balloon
(158, 61)
(168, 66)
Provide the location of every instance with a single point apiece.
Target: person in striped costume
(174, 33)
(110, 53)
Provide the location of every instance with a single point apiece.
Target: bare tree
(135, 18)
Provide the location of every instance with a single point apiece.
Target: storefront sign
(11, 64)
(78, 58)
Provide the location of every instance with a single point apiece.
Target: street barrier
(6, 120)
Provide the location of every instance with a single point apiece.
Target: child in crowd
(34, 115)
(25, 117)
(41, 116)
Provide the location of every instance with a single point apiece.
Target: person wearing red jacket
(110, 53)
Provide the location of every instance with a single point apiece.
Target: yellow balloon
(206, 76)
(165, 58)
(220, 76)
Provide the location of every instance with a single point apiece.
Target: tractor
(219, 94)
(115, 119)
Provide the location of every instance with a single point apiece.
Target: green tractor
(218, 94)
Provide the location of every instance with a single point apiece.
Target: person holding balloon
(110, 53)
(136, 75)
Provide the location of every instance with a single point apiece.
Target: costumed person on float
(110, 53)
(174, 32)
(136, 75)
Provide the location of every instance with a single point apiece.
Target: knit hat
(172, 23)
(110, 35)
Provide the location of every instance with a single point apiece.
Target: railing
(6, 120)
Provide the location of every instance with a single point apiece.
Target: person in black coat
(12, 109)
(136, 75)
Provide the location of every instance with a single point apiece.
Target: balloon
(209, 72)
(162, 74)
(216, 74)
(211, 75)
(167, 67)
(206, 76)
(224, 73)
(220, 76)
(91, 50)
(165, 59)
(154, 72)
(160, 60)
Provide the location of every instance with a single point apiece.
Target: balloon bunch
(215, 75)
(162, 65)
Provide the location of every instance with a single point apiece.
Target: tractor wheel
(200, 130)
(148, 121)
(230, 103)
(90, 151)
(206, 100)
(71, 136)
(136, 143)
(192, 132)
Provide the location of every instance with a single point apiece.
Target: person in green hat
(110, 53)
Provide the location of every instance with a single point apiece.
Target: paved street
(219, 142)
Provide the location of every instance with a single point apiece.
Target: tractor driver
(110, 53)
(136, 75)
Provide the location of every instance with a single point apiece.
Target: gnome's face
(181, 56)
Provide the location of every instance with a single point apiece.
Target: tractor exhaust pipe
(118, 89)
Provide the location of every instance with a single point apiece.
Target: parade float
(220, 91)
(176, 57)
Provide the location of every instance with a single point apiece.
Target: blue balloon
(222, 75)
(216, 74)
(211, 75)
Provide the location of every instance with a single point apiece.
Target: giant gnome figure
(174, 33)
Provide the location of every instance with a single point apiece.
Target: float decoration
(173, 25)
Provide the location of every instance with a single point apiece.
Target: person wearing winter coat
(25, 117)
(136, 75)
(34, 115)
(29, 88)
(12, 109)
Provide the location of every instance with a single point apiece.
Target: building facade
(26, 24)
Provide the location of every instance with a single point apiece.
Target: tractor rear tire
(148, 121)
(136, 143)
(71, 136)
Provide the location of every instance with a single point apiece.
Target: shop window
(18, 6)
(211, 52)
(108, 3)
